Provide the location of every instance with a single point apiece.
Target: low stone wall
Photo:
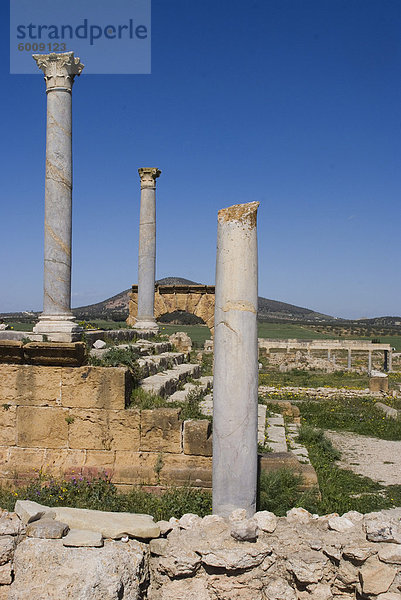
(297, 557)
(322, 393)
(66, 421)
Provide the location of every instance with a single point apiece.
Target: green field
(278, 331)
(282, 331)
(197, 333)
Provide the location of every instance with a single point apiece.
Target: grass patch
(189, 409)
(280, 331)
(101, 494)
(120, 357)
(279, 492)
(207, 364)
(350, 414)
(343, 490)
(198, 333)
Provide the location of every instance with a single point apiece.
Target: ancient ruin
(235, 411)
(194, 299)
(331, 346)
(57, 320)
(145, 318)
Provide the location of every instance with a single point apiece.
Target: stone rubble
(297, 557)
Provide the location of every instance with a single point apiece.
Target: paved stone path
(378, 459)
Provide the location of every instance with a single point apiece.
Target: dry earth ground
(377, 459)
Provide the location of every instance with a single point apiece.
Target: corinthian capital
(148, 177)
(59, 69)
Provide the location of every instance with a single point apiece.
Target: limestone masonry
(89, 555)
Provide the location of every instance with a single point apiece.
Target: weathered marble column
(385, 365)
(349, 358)
(369, 362)
(235, 387)
(390, 361)
(147, 250)
(57, 320)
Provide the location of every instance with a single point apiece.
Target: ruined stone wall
(197, 300)
(297, 557)
(73, 420)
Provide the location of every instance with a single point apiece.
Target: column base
(57, 328)
(146, 323)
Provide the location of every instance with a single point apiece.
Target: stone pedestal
(235, 386)
(57, 322)
(378, 383)
(145, 319)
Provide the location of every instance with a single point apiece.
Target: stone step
(295, 447)
(262, 424)
(276, 433)
(203, 384)
(165, 383)
(206, 405)
(145, 347)
(160, 362)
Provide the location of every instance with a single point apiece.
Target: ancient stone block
(181, 341)
(8, 425)
(125, 429)
(47, 529)
(376, 577)
(205, 307)
(96, 387)
(181, 469)
(99, 463)
(193, 301)
(41, 427)
(5, 574)
(137, 467)
(197, 438)
(89, 428)
(181, 301)
(30, 385)
(11, 351)
(79, 538)
(55, 353)
(7, 546)
(22, 464)
(43, 565)
(378, 384)
(64, 462)
(161, 430)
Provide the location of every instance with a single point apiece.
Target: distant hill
(383, 321)
(116, 307)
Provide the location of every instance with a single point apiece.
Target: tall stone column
(57, 320)
(147, 250)
(235, 387)
(369, 362)
(390, 361)
(349, 358)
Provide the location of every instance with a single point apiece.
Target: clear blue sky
(293, 103)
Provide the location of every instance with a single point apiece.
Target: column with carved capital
(57, 321)
(147, 250)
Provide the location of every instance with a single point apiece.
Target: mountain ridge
(268, 309)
